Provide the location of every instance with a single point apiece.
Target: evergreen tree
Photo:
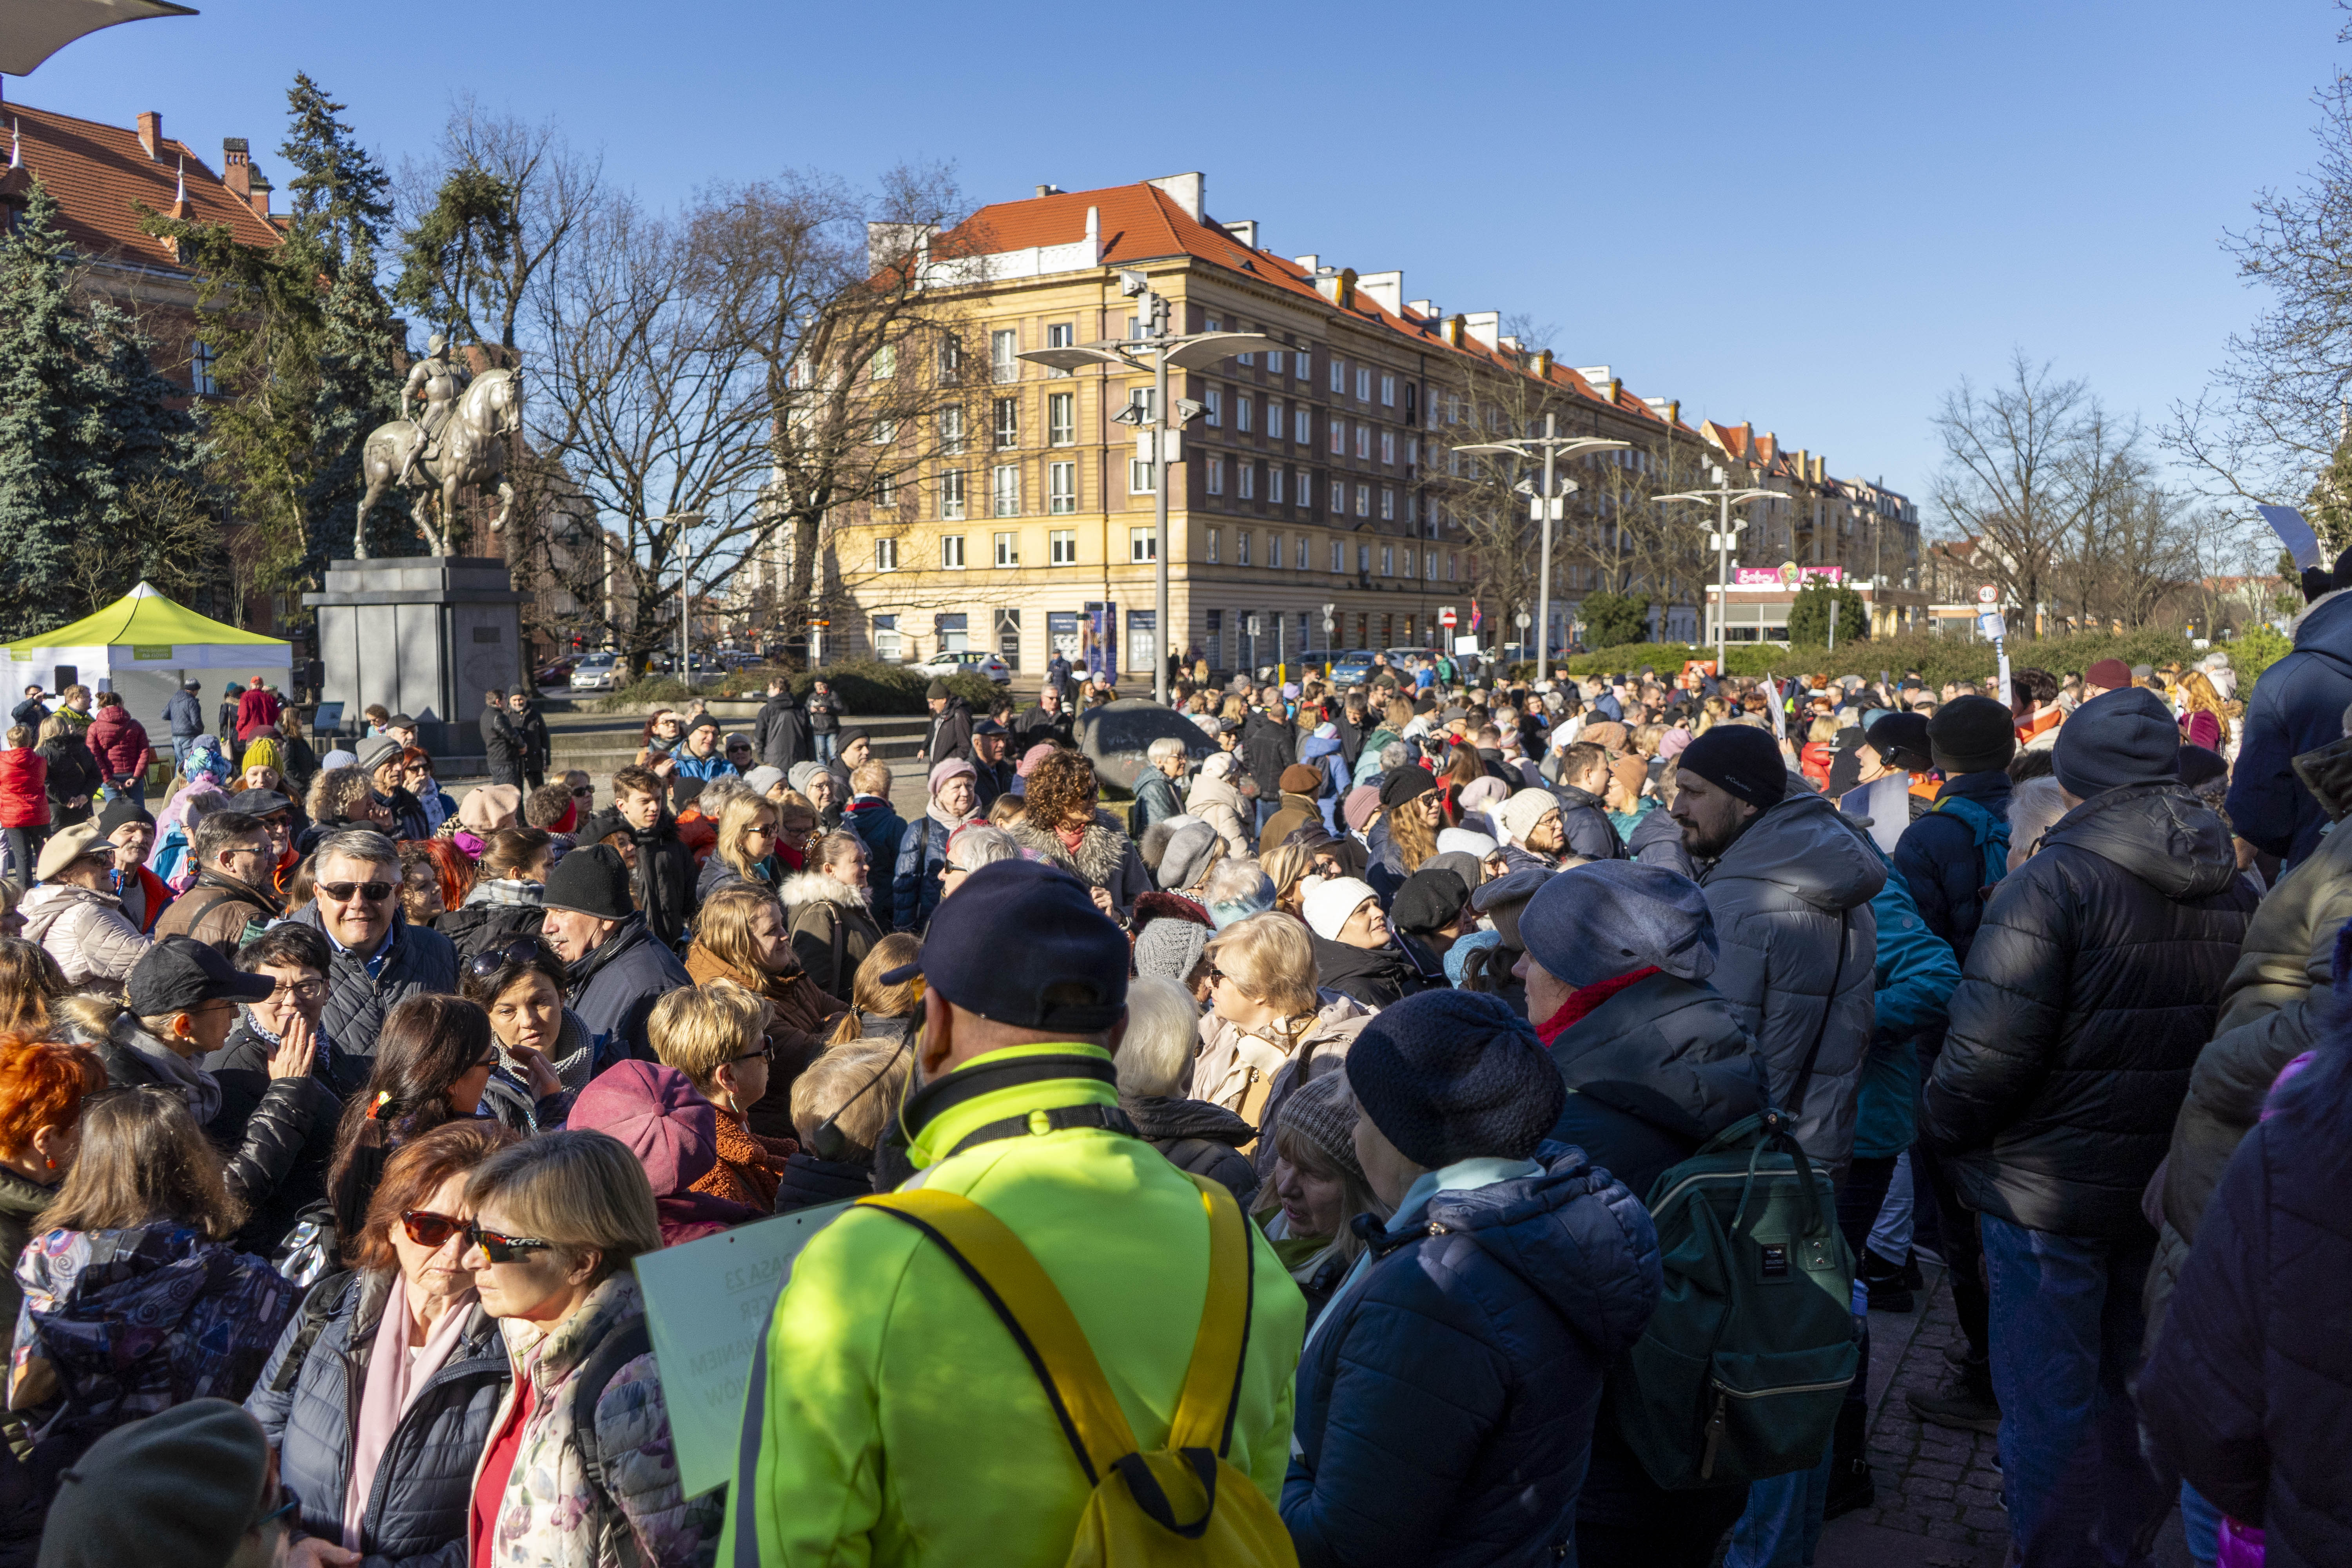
(357, 391)
(44, 428)
(1612, 620)
(1809, 615)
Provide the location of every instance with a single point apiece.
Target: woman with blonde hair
(879, 1011)
(798, 819)
(746, 847)
(1413, 812)
(1286, 866)
(742, 935)
(2204, 719)
(713, 1034)
(557, 1219)
(30, 981)
(840, 1108)
(1267, 1033)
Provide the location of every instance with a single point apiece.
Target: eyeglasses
(343, 892)
(503, 1248)
(767, 1052)
(429, 1229)
(1215, 974)
(491, 959)
(300, 990)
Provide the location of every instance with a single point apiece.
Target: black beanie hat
(1741, 759)
(937, 692)
(1971, 735)
(1903, 740)
(2120, 738)
(1406, 783)
(590, 880)
(1452, 1075)
(119, 811)
(1431, 900)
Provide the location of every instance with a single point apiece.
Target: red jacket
(118, 742)
(257, 712)
(159, 899)
(24, 788)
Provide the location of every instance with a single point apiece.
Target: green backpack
(1741, 1370)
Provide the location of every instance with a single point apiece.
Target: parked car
(597, 672)
(555, 674)
(1353, 667)
(972, 661)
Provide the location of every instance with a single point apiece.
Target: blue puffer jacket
(1321, 751)
(1916, 977)
(1446, 1399)
(915, 883)
(1940, 857)
(2297, 706)
(424, 1484)
(2249, 1392)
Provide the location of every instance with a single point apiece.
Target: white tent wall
(145, 688)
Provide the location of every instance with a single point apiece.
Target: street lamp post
(1723, 494)
(1548, 507)
(685, 519)
(1157, 350)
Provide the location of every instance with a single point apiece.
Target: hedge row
(1938, 660)
(866, 687)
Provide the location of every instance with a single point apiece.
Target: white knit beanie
(1518, 816)
(1329, 900)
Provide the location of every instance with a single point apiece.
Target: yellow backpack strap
(1204, 1412)
(1009, 1279)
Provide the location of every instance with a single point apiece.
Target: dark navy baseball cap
(1020, 943)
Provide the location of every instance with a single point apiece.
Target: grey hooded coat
(1800, 945)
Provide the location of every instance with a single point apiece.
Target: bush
(871, 689)
(1937, 660)
(2255, 651)
(654, 691)
(1809, 617)
(1614, 619)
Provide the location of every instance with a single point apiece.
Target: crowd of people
(1473, 1120)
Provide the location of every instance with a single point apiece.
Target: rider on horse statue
(437, 379)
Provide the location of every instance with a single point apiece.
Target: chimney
(1386, 290)
(237, 165)
(1487, 326)
(1245, 232)
(150, 133)
(1543, 364)
(1049, 190)
(257, 195)
(1595, 373)
(1185, 191)
(1425, 308)
(1310, 264)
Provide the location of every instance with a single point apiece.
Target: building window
(1339, 437)
(1061, 335)
(1449, 566)
(1412, 453)
(1246, 478)
(1008, 550)
(1387, 446)
(1301, 364)
(1215, 399)
(1307, 489)
(952, 552)
(1339, 499)
(1242, 538)
(885, 365)
(1429, 559)
(886, 489)
(1388, 392)
(886, 433)
(950, 359)
(1061, 547)
(1140, 480)
(1002, 349)
(1145, 401)
(1338, 377)
(1274, 551)
(1214, 542)
(951, 493)
(1142, 545)
(1408, 560)
(1273, 362)
(1004, 489)
(202, 358)
(951, 431)
(1363, 501)
(1363, 441)
(1210, 324)
(1273, 484)
(1245, 415)
(1363, 384)
(1008, 423)
(885, 637)
(1388, 562)
(1302, 429)
(1364, 559)
(1388, 505)
(886, 555)
(1061, 418)
(1274, 426)
(1061, 489)
(1216, 475)
(1338, 556)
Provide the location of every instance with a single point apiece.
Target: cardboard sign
(707, 1304)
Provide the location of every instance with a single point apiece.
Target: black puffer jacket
(74, 773)
(495, 914)
(2091, 987)
(1268, 747)
(809, 1181)
(1198, 1137)
(417, 1511)
(421, 959)
(241, 1067)
(614, 990)
(1585, 820)
(1942, 864)
(1376, 976)
(2249, 1392)
(1652, 1073)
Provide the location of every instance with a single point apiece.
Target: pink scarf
(393, 1379)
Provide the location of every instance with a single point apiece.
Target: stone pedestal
(425, 635)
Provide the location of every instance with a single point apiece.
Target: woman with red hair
(41, 1090)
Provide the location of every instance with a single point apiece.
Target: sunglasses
(426, 1228)
(504, 1248)
(1216, 974)
(767, 1052)
(491, 959)
(343, 892)
(585, 791)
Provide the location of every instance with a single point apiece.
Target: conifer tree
(44, 429)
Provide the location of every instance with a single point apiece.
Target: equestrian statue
(459, 441)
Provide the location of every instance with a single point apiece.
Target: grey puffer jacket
(2271, 1010)
(2090, 989)
(417, 1511)
(1792, 904)
(421, 959)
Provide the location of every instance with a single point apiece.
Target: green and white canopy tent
(144, 646)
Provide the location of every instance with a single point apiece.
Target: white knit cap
(1465, 841)
(1518, 816)
(1329, 900)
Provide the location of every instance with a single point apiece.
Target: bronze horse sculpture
(471, 451)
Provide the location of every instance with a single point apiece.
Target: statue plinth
(425, 635)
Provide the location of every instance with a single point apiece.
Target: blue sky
(1814, 217)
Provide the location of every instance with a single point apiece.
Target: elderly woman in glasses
(556, 1221)
(382, 1391)
(716, 1036)
(546, 1055)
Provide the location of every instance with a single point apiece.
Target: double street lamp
(1723, 494)
(1549, 507)
(1158, 441)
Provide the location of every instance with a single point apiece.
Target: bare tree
(2016, 481)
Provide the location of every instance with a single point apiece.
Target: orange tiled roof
(1142, 223)
(96, 173)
